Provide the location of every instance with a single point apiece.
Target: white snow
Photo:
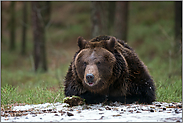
(96, 113)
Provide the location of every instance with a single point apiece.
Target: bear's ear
(111, 43)
(81, 42)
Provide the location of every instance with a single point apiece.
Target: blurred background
(39, 40)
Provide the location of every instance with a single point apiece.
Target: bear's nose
(89, 77)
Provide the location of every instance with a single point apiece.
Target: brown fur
(118, 72)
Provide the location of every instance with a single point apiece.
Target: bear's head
(95, 63)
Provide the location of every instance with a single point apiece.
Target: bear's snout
(89, 78)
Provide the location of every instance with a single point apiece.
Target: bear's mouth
(90, 83)
(95, 86)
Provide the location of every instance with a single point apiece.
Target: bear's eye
(85, 63)
(98, 63)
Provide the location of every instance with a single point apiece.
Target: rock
(179, 106)
(101, 117)
(107, 108)
(100, 109)
(71, 109)
(116, 115)
(24, 113)
(62, 112)
(44, 111)
(138, 112)
(6, 115)
(53, 112)
(79, 111)
(164, 108)
(115, 109)
(33, 112)
(49, 109)
(34, 115)
(130, 111)
(151, 110)
(177, 111)
(70, 114)
(101, 113)
(56, 115)
(158, 105)
(160, 110)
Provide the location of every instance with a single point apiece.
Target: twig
(56, 98)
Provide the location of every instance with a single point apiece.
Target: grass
(150, 34)
(31, 95)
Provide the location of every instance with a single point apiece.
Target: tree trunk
(111, 17)
(39, 37)
(24, 28)
(46, 15)
(121, 20)
(12, 26)
(47, 12)
(99, 17)
(178, 25)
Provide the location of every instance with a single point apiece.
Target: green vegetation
(30, 95)
(152, 36)
(151, 32)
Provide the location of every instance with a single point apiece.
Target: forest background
(152, 29)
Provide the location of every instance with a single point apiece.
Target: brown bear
(107, 69)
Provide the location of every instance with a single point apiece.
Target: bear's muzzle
(89, 78)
